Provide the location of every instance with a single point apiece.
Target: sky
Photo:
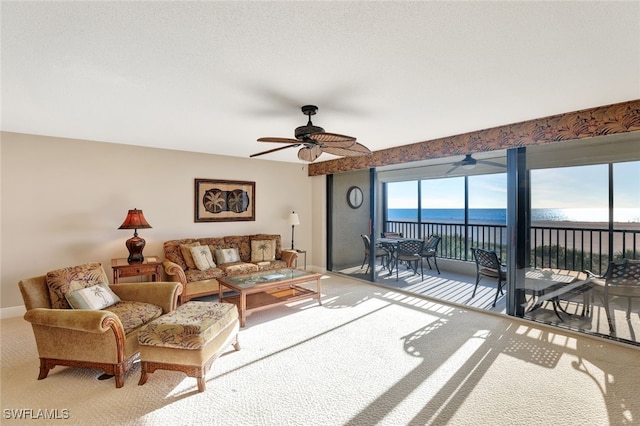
(559, 188)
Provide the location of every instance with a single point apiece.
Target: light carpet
(367, 356)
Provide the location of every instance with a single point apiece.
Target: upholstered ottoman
(188, 339)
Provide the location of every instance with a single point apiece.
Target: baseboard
(316, 269)
(12, 312)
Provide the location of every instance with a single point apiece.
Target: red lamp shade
(135, 220)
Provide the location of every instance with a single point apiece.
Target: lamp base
(135, 245)
(292, 237)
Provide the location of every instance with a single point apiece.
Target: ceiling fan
(468, 162)
(314, 141)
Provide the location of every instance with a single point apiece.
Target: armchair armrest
(163, 294)
(91, 321)
(174, 272)
(290, 257)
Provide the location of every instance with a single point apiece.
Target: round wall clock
(354, 197)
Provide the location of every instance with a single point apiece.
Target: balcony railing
(551, 246)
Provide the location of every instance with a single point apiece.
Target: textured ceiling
(213, 77)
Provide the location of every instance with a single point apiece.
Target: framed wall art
(224, 200)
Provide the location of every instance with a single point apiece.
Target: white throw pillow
(202, 257)
(227, 255)
(95, 297)
(263, 250)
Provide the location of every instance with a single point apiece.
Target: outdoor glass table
(548, 285)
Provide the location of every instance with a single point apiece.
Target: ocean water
(499, 216)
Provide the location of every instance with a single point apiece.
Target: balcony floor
(457, 288)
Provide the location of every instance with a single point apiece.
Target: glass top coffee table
(262, 290)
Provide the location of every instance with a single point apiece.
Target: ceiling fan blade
(452, 169)
(309, 153)
(355, 149)
(331, 137)
(336, 144)
(491, 163)
(279, 140)
(274, 150)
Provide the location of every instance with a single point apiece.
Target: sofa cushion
(238, 268)
(271, 265)
(275, 237)
(228, 255)
(213, 243)
(173, 253)
(95, 297)
(263, 250)
(202, 257)
(185, 249)
(242, 243)
(64, 280)
(198, 275)
(134, 314)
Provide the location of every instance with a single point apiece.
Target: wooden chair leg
(44, 369)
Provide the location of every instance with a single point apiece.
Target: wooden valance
(600, 121)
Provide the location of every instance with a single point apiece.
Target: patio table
(549, 285)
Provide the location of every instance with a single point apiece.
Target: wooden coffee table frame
(263, 295)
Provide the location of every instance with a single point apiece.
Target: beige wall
(63, 200)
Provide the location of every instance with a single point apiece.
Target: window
(402, 201)
(488, 199)
(442, 200)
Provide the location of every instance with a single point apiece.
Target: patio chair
(431, 250)
(409, 252)
(488, 265)
(622, 279)
(379, 253)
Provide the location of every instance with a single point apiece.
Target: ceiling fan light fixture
(315, 141)
(468, 166)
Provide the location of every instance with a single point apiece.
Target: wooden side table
(151, 265)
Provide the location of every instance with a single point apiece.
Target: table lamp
(293, 221)
(135, 220)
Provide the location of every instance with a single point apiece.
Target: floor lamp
(293, 221)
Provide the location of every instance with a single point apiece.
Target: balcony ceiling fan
(314, 141)
(468, 162)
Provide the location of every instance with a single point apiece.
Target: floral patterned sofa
(197, 263)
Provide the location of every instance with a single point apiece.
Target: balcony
(573, 249)
(570, 248)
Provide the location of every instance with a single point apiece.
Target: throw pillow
(64, 280)
(227, 255)
(202, 257)
(95, 297)
(186, 254)
(263, 250)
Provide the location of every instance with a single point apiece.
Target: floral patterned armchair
(89, 335)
